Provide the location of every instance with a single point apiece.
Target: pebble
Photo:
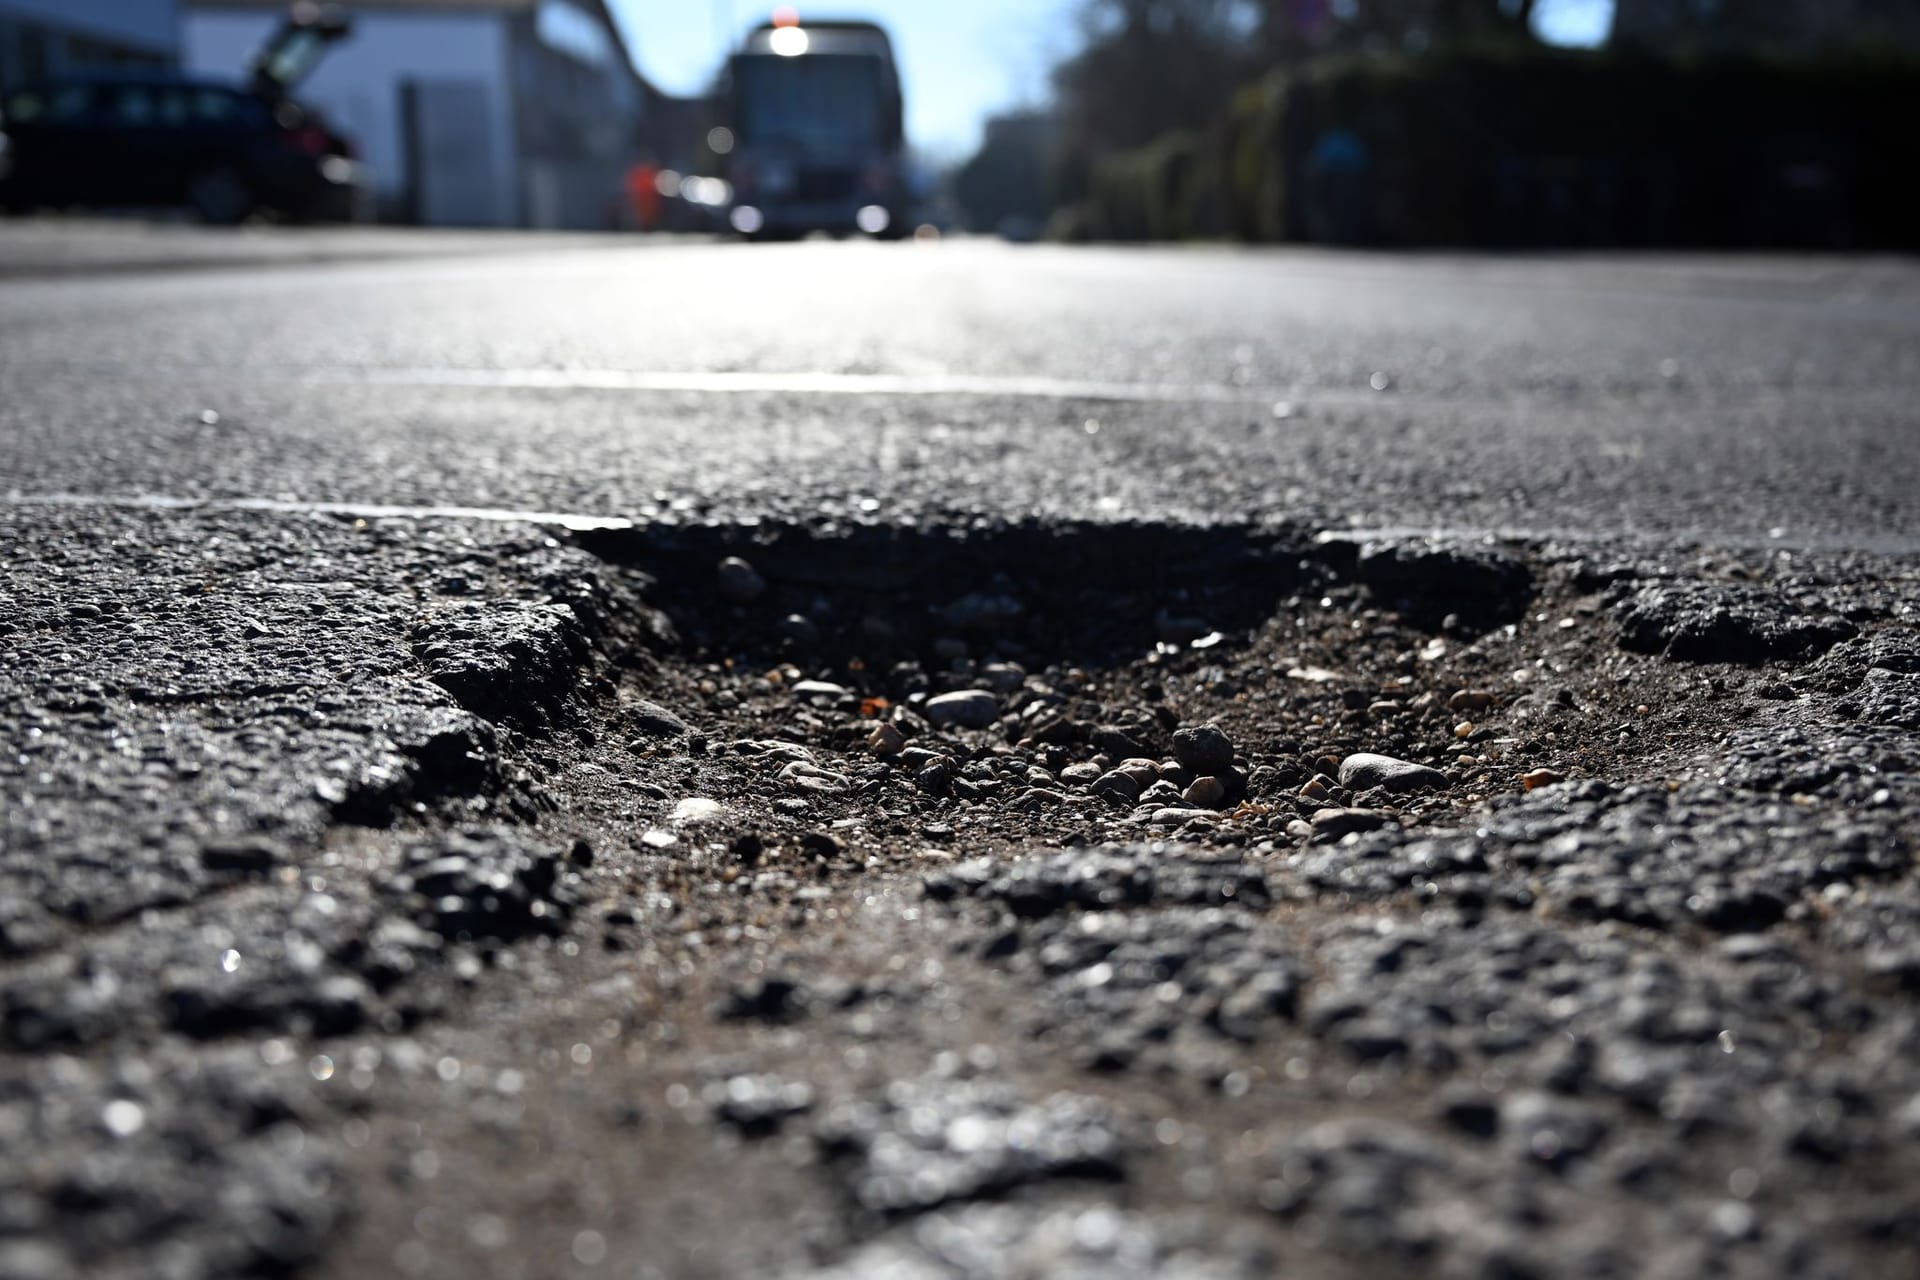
(886, 740)
(696, 809)
(1318, 787)
(1365, 771)
(800, 776)
(1204, 749)
(243, 855)
(651, 720)
(1206, 793)
(1541, 778)
(1116, 742)
(920, 757)
(1470, 700)
(820, 689)
(1162, 793)
(773, 749)
(740, 582)
(969, 709)
(1004, 677)
(1118, 786)
(1180, 817)
(822, 844)
(936, 779)
(1084, 772)
(1470, 1110)
(1335, 823)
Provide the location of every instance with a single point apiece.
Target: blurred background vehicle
(469, 113)
(815, 131)
(159, 139)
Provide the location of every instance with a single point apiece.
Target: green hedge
(1540, 148)
(1149, 194)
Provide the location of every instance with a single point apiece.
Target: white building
(45, 38)
(466, 112)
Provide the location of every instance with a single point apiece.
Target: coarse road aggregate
(537, 756)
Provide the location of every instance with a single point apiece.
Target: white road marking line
(740, 383)
(838, 384)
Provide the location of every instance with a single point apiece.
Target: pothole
(863, 693)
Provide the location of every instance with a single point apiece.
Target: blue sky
(962, 60)
(1573, 22)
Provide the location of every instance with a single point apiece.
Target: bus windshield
(817, 102)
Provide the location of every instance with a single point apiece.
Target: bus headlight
(872, 219)
(746, 220)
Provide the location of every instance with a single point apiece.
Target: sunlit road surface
(1734, 399)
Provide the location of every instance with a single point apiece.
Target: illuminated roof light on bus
(788, 42)
(786, 16)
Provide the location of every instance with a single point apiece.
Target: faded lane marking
(817, 384)
(739, 383)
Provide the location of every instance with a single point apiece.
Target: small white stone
(969, 708)
(123, 1118)
(696, 809)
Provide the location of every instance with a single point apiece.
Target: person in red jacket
(643, 193)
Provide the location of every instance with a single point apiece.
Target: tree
(1148, 67)
(1295, 29)
(1011, 176)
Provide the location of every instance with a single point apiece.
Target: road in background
(1721, 397)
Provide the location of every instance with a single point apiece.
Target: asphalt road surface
(535, 757)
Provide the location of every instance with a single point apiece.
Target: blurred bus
(815, 118)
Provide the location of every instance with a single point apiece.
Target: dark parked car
(223, 151)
